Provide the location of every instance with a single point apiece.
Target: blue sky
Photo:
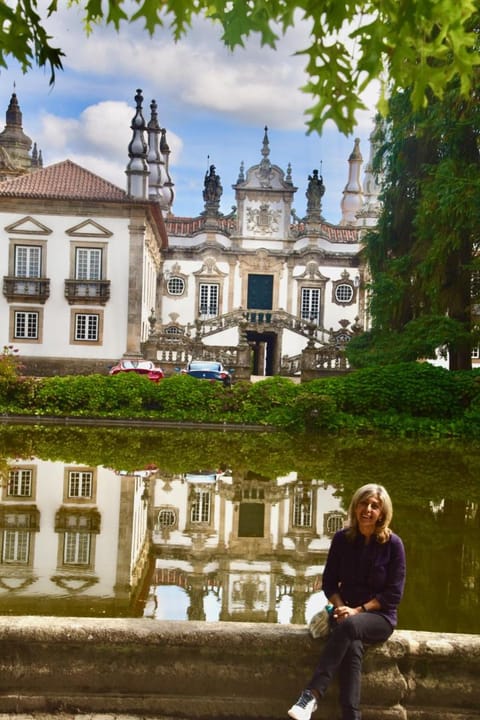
(213, 103)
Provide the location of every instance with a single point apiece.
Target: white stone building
(79, 260)
(84, 263)
(264, 273)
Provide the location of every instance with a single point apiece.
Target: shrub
(10, 368)
(419, 389)
(269, 402)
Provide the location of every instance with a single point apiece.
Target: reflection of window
(76, 548)
(343, 293)
(16, 545)
(26, 325)
(17, 525)
(310, 304)
(80, 484)
(208, 300)
(166, 518)
(77, 529)
(176, 286)
(200, 507)
(20, 483)
(302, 508)
(333, 522)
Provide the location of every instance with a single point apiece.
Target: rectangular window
(19, 483)
(88, 264)
(86, 327)
(208, 300)
(200, 511)
(310, 304)
(26, 325)
(16, 545)
(302, 509)
(76, 548)
(80, 484)
(28, 261)
(476, 352)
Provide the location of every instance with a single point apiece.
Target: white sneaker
(304, 707)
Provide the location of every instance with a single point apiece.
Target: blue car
(208, 370)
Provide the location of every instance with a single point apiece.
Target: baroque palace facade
(92, 273)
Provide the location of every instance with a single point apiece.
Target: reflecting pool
(222, 525)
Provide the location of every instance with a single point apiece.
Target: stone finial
(137, 168)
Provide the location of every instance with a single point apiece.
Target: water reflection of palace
(74, 539)
(251, 542)
(80, 540)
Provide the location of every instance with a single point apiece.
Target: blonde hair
(382, 530)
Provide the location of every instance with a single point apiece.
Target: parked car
(208, 370)
(141, 367)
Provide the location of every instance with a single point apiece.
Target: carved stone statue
(212, 186)
(314, 194)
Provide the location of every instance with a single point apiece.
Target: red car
(141, 367)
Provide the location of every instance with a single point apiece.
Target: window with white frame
(80, 484)
(333, 522)
(16, 546)
(167, 518)
(28, 261)
(208, 300)
(200, 507)
(302, 508)
(20, 482)
(77, 530)
(88, 264)
(176, 285)
(344, 293)
(476, 352)
(17, 526)
(76, 548)
(26, 325)
(310, 304)
(87, 327)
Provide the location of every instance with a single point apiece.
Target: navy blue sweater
(360, 571)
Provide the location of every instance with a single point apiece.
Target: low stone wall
(221, 670)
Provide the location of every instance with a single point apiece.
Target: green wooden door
(260, 292)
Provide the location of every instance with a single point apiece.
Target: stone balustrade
(221, 670)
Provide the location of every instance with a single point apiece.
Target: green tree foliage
(423, 255)
(418, 43)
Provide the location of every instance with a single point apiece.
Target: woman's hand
(342, 612)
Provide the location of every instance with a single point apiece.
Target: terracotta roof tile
(63, 181)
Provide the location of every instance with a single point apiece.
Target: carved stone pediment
(262, 262)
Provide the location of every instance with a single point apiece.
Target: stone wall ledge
(231, 671)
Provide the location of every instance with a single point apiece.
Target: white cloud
(98, 140)
(213, 102)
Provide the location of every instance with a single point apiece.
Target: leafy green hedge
(402, 399)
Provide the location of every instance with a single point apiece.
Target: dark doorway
(264, 346)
